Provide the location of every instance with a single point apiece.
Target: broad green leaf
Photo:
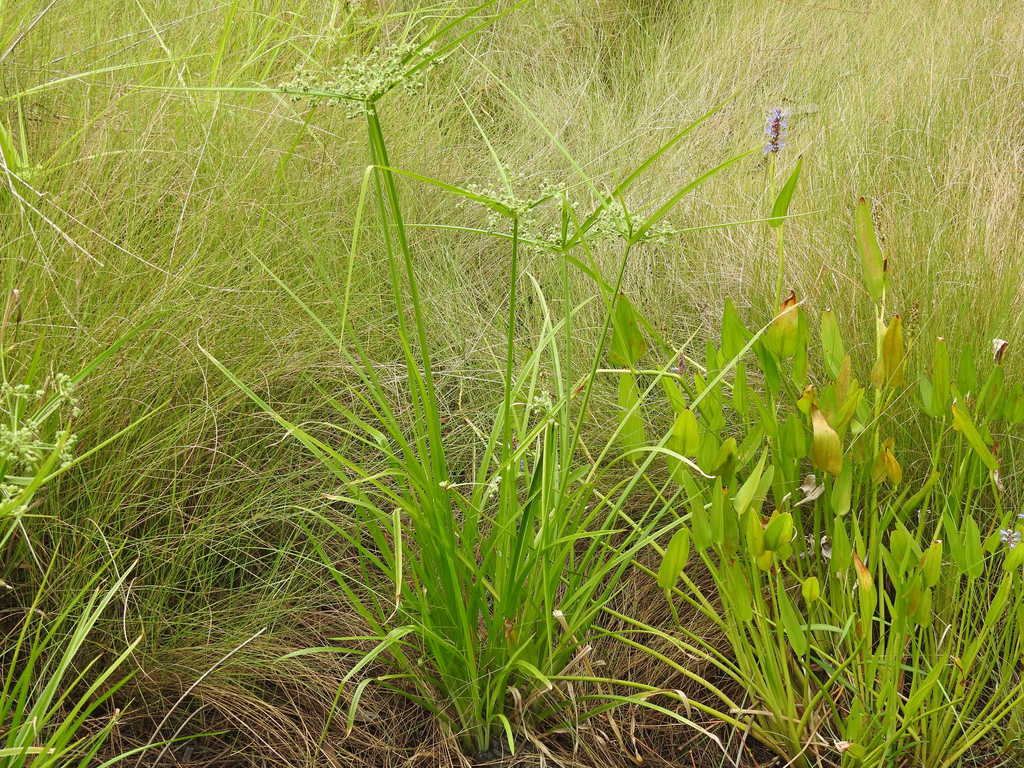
(748, 490)
(673, 392)
(770, 369)
(779, 531)
(751, 445)
(967, 373)
(725, 462)
(734, 334)
(963, 423)
(991, 393)
(1014, 558)
(791, 622)
(842, 490)
(710, 405)
(677, 555)
(923, 614)
(929, 402)
(872, 261)
(628, 343)
(842, 552)
(700, 518)
(685, 438)
(832, 347)
(632, 434)
(903, 547)
(754, 533)
(793, 437)
(781, 206)
(974, 555)
(739, 601)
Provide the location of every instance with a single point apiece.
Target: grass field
(258, 466)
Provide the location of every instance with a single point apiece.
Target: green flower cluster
(358, 81)
(27, 441)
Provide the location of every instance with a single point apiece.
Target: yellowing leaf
(783, 335)
(826, 447)
(886, 467)
(931, 564)
(810, 589)
(889, 367)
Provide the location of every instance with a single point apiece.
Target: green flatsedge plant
(500, 569)
(871, 618)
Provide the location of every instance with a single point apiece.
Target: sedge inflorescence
(24, 442)
(360, 81)
(538, 213)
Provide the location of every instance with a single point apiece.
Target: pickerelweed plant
(499, 569)
(874, 616)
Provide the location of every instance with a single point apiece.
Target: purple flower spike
(776, 130)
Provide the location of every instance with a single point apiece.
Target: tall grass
(157, 198)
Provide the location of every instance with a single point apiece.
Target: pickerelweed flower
(776, 130)
(1010, 537)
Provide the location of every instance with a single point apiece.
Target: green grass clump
(500, 569)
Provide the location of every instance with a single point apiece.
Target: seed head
(360, 81)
